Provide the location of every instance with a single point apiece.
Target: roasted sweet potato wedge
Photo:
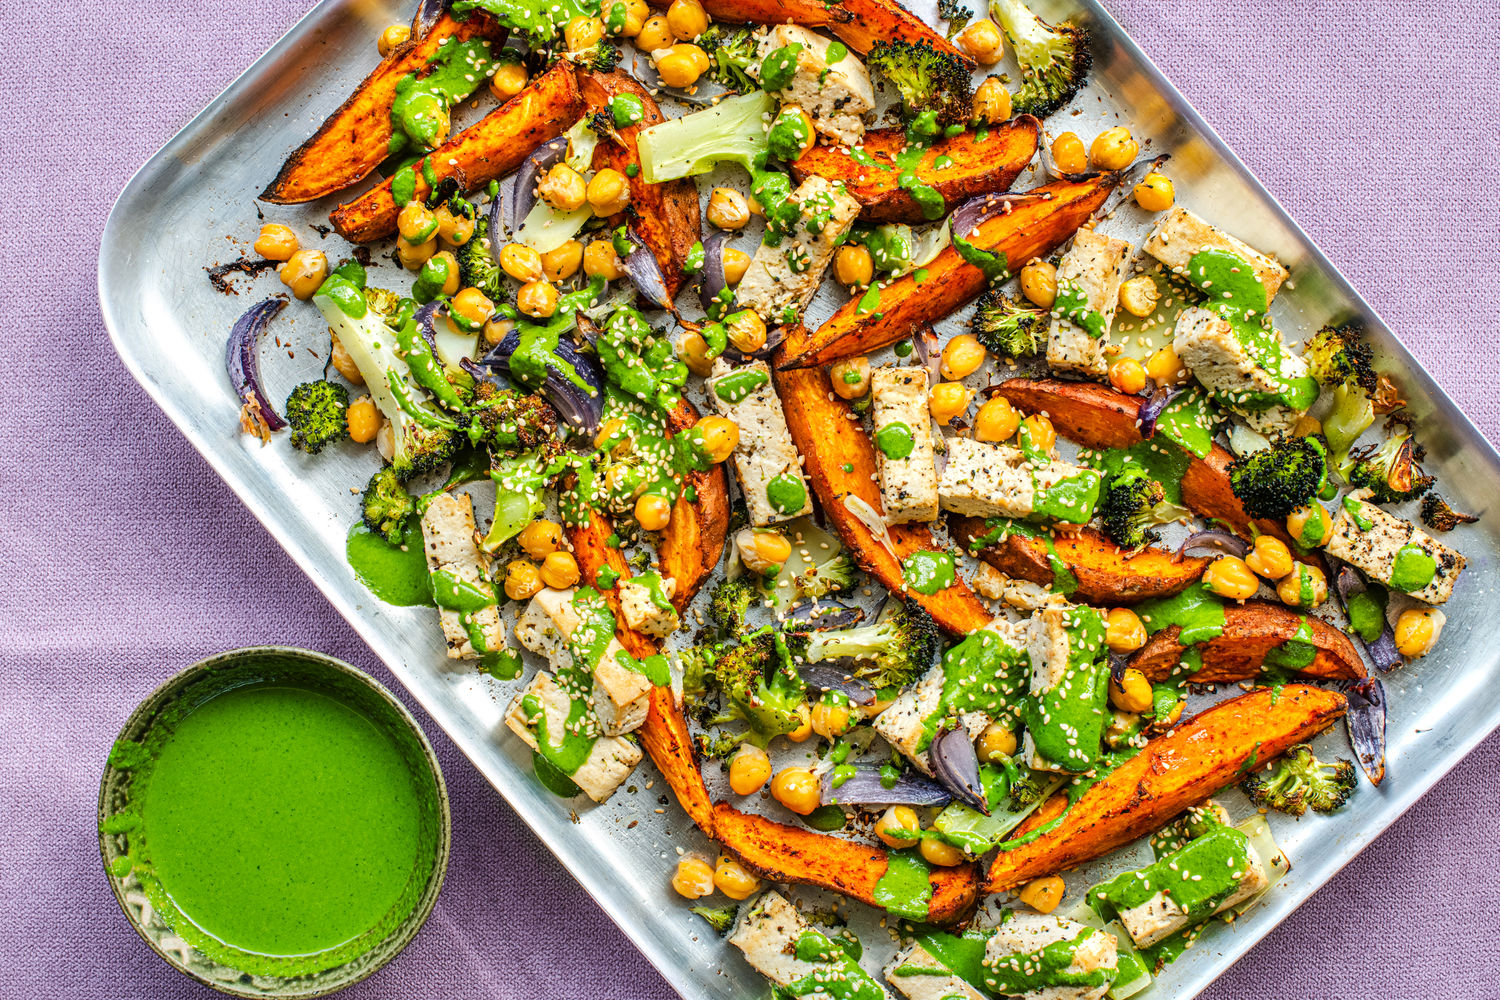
(859, 24)
(1037, 224)
(1106, 574)
(693, 540)
(1174, 772)
(486, 151)
(839, 459)
(781, 853)
(971, 166)
(664, 216)
(354, 139)
(1252, 630)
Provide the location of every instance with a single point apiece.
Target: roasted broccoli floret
(890, 654)
(1054, 61)
(956, 13)
(1132, 505)
(477, 266)
(727, 606)
(1277, 480)
(928, 79)
(838, 573)
(1390, 470)
(521, 485)
(386, 506)
(1438, 516)
(317, 412)
(720, 918)
(602, 58)
(731, 52)
(505, 420)
(758, 685)
(1300, 781)
(1027, 788)
(1008, 327)
(1338, 355)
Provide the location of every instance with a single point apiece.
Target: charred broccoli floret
(731, 52)
(1008, 327)
(1438, 516)
(889, 654)
(386, 506)
(1390, 471)
(1054, 61)
(727, 606)
(1300, 781)
(317, 413)
(1027, 788)
(956, 13)
(838, 573)
(928, 79)
(602, 58)
(1132, 505)
(1277, 480)
(1338, 355)
(757, 685)
(477, 266)
(505, 420)
(720, 918)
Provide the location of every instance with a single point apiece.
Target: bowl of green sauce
(274, 823)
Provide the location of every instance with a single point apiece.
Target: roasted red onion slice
(864, 788)
(1214, 541)
(1365, 722)
(242, 361)
(523, 184)
(1152, 406)
(427, 14)
(929, 353)
(645, 273)
(828, 677)
(1382, 652)
(713, 281)
(577, 407)
(983, 207)
(956, 765)
(823, 614)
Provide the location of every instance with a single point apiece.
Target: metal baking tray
(192, 205)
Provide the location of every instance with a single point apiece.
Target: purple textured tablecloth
(1375, 123)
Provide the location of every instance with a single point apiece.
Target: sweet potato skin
(1039, 223)
(1251, 630)
(1107, 574)
(1174, 772)
(353, 140)
(664, 216)
(486, 151)
(693, 540)
(978, 166)
(829, 436)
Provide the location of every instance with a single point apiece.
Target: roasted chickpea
(982, 40)
(537, 299)
(1042, 894)
(522, 580)
(560, 570)
(636, 13)
(1039, 283)
(1304, 587)
(521, 262)
(509, 80)
(996, 420)
(583, 33)
(469, 310)
(1131, 693)
(416, 223)
(1307, 425)
(962, 357)
(720, 437)
(608, 193)
(940, 852)
(304, 272)
(995, 744)
(1270, 558)
(1139, 295)
(692, 350)
(1309, 526)
(442, 264)
(747, 331)
(497, 329)
(276, 242)
(1417, 631)
(733, 880)
(736, 263)
(797, 789)
(948, 400)
(601, 261)
(850, 378)
(894, 821)
(1114, 149)
(562, 263)
(652, 512)
(364, 420)
(563, 188)
(804, 728)
(762, 550)
(448, 227)
(686, 18)
(749, 769)
(1124, 631)
(1068, 154)
(344, 364)
(1166, 368)
(414, 255)
(1162, 723)
(1155, 193)
(540, 538)
(693, 878)
(833, 718)
(991, 101)
(1037, 430)
(853, 266)
(655, 34)
(678, 67)
(392, 38)
(1228, 576)
(727, 208)
(1127, 375)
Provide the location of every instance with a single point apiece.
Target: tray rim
(568, 853)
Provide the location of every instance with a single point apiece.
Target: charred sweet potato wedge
(832, 440)
(1174, 772)
(1106, 574)
(354, 139)
(664, 216)
(486, 151)
(971, 166)
(693, 539)
(1251, 631)
(782, 853)
(1038, 222)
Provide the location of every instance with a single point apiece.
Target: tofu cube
(1375, 549)
(1180, 234)
(834, 95)
(765, 459)
(448, 541)
(1066, 716)
(646, 603)
(1237, 375)
(1011, 955)
(622, 696)
(1094, 266)
(768, 932)
(920, 975)
(611, 758)
(983, 479)
(908, 483)
(782, 279)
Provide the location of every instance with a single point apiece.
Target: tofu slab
(1095, 265)
(621, 697)
(1066, 650)
(908, 486)
(765, 448)
(642, 612)
(835, 96)
(610, 760)
(767, 932)
(782, 279)
(1180, 234)
(448, 541)
(983, 479)
(1374, 549)
(1210, 350)
(1025, 934)
(919, 975)
(1160, 917)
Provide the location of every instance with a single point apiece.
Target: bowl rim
(406, 931)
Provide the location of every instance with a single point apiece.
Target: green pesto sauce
(606, 578)
(1189, 421)
(1197, 609)
(895, 440)
(397, 574)
(779, 67)
(1066, 721)
(1234, 292)
(468, 599)
(1197, 877)
(1029, 972)
(1071, 499)
(920, 135)
(838, 976)
(869, 302)
(1412, 569)
(1314, 531)
(905, 889)
(993, 263)
(835, 53)
(789, 135)
(1356, 510)
(404, 185)
(785, 493)
(1367, 614)
(927, 572)
(626, 109)
(962, 954)
(281, 830)
(419, 113)
(345, 294)
(1163, 461)
(737, 385)
(983, 673)
(1297, 653)
(1072, 304)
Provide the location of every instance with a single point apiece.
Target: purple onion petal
(645, 273)
(983, 207)
(714, 280)
(957, 767)
(864, 788)
(1216, 541)
(424, 319)
(1118, 663)
(574, 405)
(825, 613)
(242, 361)
(1383, 652)
(523, 185)
(1151, 408)
(1365, 722)
(929, 354)
(827, 677)
(427, 14)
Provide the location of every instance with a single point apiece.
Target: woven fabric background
(125, 558)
